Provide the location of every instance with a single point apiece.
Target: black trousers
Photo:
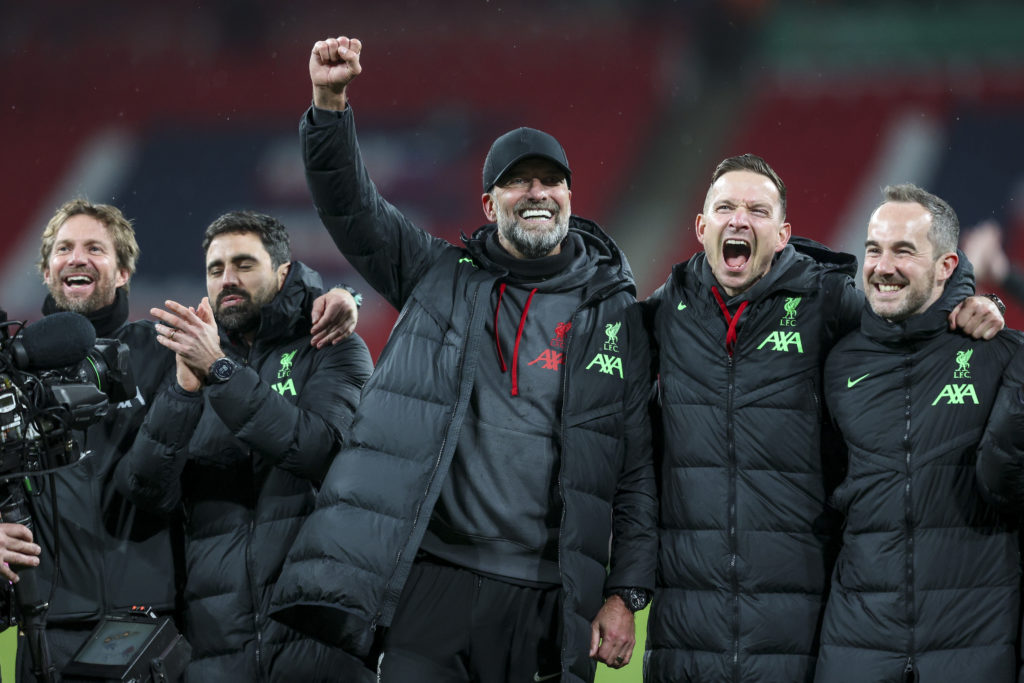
(455, 626)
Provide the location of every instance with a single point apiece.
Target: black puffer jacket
(348, 567)
(1001, 453)
(112, 554)
(745, 542)
(244, 459)
(926, 587)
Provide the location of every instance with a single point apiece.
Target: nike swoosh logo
(851, 382)
(681, 306)
(537, 677)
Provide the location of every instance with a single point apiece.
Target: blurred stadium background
(177, 112)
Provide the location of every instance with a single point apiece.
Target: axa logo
(552, 359)
(607, 364)
(286, 364)
(957, 394)
(963, 364)
(287, 387)
(782, 340)
(789, 320)
(128, 404)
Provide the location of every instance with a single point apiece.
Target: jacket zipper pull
(908, 671)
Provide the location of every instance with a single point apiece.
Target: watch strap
(635, 598)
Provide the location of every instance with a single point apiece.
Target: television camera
(57, 378)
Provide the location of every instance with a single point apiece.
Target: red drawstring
(732, 320)
(519, 337)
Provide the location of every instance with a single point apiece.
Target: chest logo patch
(963, 364)
(789, 320)
(957, 394)
(606, 362)
(611, 330)
(561, 329)
(551, 359)
(286, 364)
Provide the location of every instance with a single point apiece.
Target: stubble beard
(242, 318)
(103, 295)
(913, 301)
(532, 243)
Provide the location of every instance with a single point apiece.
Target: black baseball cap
(519, 144)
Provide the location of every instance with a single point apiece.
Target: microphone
(57, 341)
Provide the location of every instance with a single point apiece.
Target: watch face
(635, 599)
(222, 369)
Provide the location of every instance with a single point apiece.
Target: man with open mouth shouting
(741, 332)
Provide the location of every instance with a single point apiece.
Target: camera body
(40, 410)
(57, 379)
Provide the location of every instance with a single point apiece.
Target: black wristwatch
(635, 598)
(998, 302)
(221, 371)
(355, 294)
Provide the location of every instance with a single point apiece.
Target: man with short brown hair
(240, 442)
(927, 584)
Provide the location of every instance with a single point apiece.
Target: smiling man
(240, 443)
(741, 332)
(467, 525)
(112, 554)
(85, 269)
(927, 583)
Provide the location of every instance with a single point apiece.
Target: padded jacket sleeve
(150, 472)
(1000, 464)
(383, 245)
(301, 437)
(635, 508)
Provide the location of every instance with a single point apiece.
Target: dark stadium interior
(177, 113)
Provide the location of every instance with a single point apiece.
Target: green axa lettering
(956, 394)
(283, 388)
(781, 340)
(608, 364)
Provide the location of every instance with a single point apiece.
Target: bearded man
(240, 442)
(501, 440)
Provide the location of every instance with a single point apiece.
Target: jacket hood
(838, 261)
(929, 323)
(600, 249)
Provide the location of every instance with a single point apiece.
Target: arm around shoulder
(1000, 464)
